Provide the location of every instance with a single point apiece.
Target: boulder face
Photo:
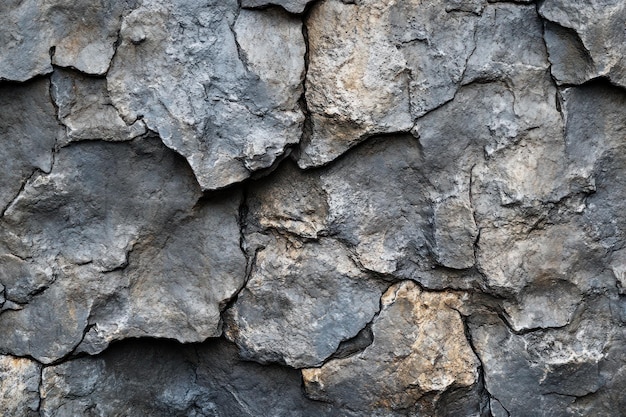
(312, 208)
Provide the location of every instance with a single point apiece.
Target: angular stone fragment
(293, 6)
(67, 242)
(455, 233)
(28, 132)
(380, 202)
(300, 303)
(586, 40)
(375, 66)
(557, 372)
(419, 348)
(85, 109)
(290, 200)
(217, 92)
(163, 379)
(79, 34)
(177, 282)
(19, 386)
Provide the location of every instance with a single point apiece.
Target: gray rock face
(28, 130)
(37, 33)
(221, 87)
(411, 356)
(165, 379)
(585, 40)
(71, 243)
(371, 208)
(19, 386)
(300, 303)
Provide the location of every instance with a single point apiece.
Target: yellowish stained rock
(419, 347)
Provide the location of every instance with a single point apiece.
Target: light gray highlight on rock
(586, 39)
(410, 357)
(19, 386)
(37, 33)
(85, 109)
(300, 303)
(217, 92)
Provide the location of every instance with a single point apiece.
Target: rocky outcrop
(312, 208)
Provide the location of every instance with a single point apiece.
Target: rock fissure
(312, 208)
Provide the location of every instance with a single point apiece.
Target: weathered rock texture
(312, 208)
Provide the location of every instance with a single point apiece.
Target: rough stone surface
(19, 386)
(586, 40)
(164, 379)
(371, 208)
(106, 262)
(220, 86)
(37, 33)
(293, 6)
(419, 348)
(300, 303)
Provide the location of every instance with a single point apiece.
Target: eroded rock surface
(166, 379)
(19, 386)
(585, 40)
(370, 208)
(419, 348)
(220, 86)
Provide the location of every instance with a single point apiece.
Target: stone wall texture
(360, 208)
